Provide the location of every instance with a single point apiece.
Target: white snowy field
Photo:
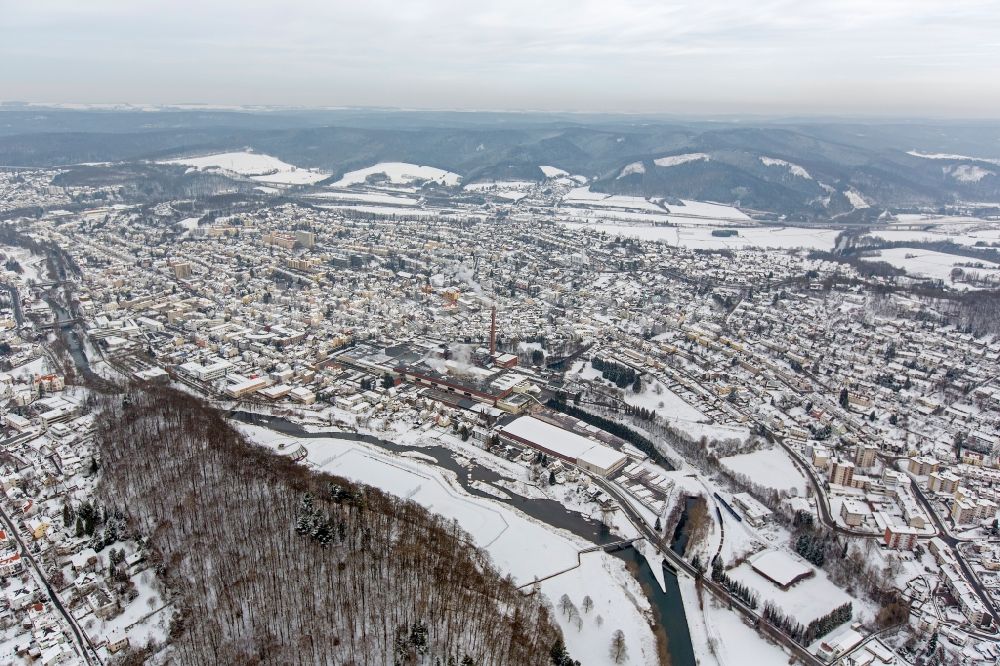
(553, 172)
(805, 601)
(401, 173)
(793, 169)
(500, 185)
(366, 197)
(189, 223)
(707, 209)
(666, 403)
(701, 238)
(676, 160)
(583, 195)
(260, 167)
(712, 431)
(581, 202)
(518, 545)
(928, 263)
(720, 636)
(769, 467)
(856, 199)
(947, 233)
(679, 216)
(947, 156)
(384, 210)
(514, 190)
(32, 265)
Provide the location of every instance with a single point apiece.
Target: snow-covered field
(597, 215)
(32, 265)
(712, 431)
(947, 156)
(702, 238)
(553, 172)
(506, 534)
(510, 189)
(634, 167)
(666, 403)
(675, 160)
(927, 263)
(793, 169)
(259, 167)
(582, 203)
(367, 197)
(720, 636)
(769, 467)
(805, 601)
(967, 173)
(401, 173)
(583, 195)
(970, 237)
(385, 210)
(707, 209)
(856, 199)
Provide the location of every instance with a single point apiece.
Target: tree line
(816, 629)
(272, 563)
(617, 429)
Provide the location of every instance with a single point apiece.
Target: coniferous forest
(271, 563)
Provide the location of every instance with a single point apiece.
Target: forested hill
(275, 564)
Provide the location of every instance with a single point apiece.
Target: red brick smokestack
(493, 333)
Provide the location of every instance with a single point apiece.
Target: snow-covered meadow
(768, 467)
(257, 166)
(781, 238)
(401, 173)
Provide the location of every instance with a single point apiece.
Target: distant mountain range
(801, 170)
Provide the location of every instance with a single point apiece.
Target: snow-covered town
(779, 452)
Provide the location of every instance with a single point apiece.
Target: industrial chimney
(493, 332)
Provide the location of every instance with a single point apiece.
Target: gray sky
(887, 57)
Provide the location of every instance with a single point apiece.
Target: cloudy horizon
(912, 58)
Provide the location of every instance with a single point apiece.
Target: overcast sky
(884, 57)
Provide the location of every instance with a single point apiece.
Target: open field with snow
(402, 173)
(676, 160)
(387, 210)
(582, 204)
(514, 190)
(366, 197)
(665, 403)
(948, 156)
(793, 169)
(263, 168)
(769, 467)
(702, 238)
(553, 172)
(518, 545)
(720, 636)
(947, 233)
(707, 209)
(583, 195)
(805, 601)
(937, 265)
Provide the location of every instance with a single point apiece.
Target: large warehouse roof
(564, 443)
